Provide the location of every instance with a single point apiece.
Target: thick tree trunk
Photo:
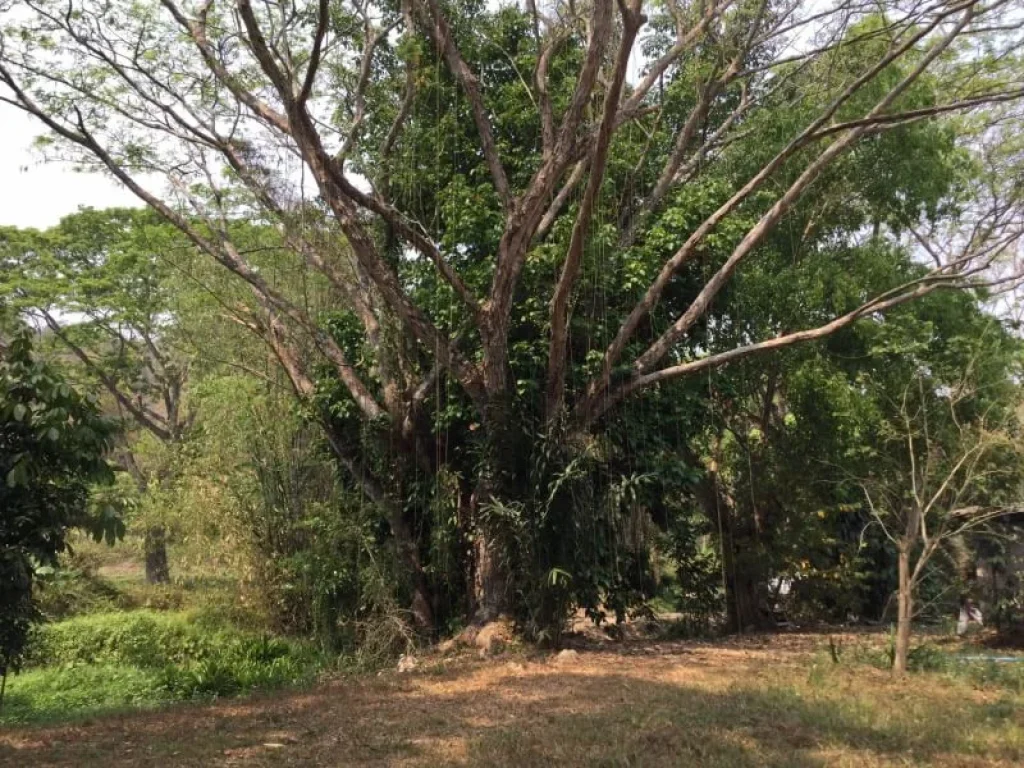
(904, 614)
(743, 601)
(157, 569)
(743, 577)
(498, 481)
(490, 595)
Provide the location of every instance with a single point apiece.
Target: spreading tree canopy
(531, 218)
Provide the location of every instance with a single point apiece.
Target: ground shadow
(593, 711)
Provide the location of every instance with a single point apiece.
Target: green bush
(59, 693)
(246, 664)
(231, 675)
(145, 639)
(154, 640)
(111, 661)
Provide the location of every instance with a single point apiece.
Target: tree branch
(323, 18)
(436, 27)
(146, 418)
(626, 331)
(632, 20)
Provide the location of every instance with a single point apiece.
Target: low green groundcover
(115, 661)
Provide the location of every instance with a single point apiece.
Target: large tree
(539, 207)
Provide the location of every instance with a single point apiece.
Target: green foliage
(136, 638)
(111, 661)
(965, 664)
(116, 294)
(52, 446)
(241, 665)
(793, 436)
(313, 554)
(58, 694)
(696, 584)
(113, 272)
(582, 540)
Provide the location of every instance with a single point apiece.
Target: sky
(34, 193)
(38, 194)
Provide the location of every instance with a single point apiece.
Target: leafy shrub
(115, 661)
(245, 664)
(137, 638)
(154, 640)
(232, 674)
(695, 585)
(57, 693)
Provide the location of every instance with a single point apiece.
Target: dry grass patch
(737, 704)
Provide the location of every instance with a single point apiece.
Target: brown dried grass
(763, 701)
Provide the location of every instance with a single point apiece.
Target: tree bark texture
(157, 569)
(905, 614)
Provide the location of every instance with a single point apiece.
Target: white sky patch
(34, 193)
(38, 193)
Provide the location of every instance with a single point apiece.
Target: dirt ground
(761, 701)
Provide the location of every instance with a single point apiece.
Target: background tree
(786, 437)
(952, 466)
(102, 286)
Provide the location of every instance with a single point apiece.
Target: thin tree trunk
(157, 569)
(904, 614)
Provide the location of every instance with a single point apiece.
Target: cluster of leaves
(53, 441)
